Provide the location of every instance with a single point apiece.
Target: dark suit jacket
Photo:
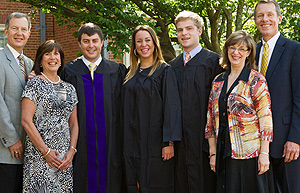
(283, 78)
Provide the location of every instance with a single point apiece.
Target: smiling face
(144, 45)
(237, 55)
(188, 34)
(17, 33)
(91, 46)
(267, 20)
(51, 62)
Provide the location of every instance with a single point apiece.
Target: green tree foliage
(118, 18)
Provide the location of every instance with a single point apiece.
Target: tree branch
(228, 15)
(239, 15)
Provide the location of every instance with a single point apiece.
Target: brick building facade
(61, 34)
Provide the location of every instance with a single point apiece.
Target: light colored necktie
(92, 67)
(187, 58)
(265, 59)
(22, 66)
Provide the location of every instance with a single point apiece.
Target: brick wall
(67, 40)
(61, 34)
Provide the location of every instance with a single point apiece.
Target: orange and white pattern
(249, 115)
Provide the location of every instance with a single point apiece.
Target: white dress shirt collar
(86, 62)
(193, 52)
(272, 43)
(14, 52)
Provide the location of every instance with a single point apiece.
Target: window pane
(3, 39)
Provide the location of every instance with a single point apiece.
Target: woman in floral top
(239, 120)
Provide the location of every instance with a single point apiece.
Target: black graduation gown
(152, 118)
(98, 162)
(193, 172)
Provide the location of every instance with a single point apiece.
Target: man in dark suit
(195, 69)
(98, 81)
(278, 59)
(14, 70)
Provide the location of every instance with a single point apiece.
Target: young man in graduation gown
(97, 164)
(278, 58)
(195, 69)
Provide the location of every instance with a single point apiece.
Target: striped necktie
(265, 59)
(22, 66)
(92, 67)
(187, 58)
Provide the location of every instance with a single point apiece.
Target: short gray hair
(17, 15)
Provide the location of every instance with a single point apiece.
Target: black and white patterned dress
(54, 105)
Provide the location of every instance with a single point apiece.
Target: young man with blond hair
(195, 69)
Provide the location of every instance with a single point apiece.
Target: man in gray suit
(14, 70)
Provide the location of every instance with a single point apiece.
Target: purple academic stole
(96, 139)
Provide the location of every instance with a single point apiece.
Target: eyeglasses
(240, 50)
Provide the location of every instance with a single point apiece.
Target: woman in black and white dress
(49, 117)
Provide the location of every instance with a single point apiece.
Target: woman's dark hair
(45, 47)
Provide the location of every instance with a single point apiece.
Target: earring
(135, 53)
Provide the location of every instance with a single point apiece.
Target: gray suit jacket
(11, 87)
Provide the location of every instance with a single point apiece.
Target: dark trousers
(278, 175)
(11, 178)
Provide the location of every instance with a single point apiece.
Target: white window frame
(2, 27)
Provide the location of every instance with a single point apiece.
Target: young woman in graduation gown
(152, 117)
